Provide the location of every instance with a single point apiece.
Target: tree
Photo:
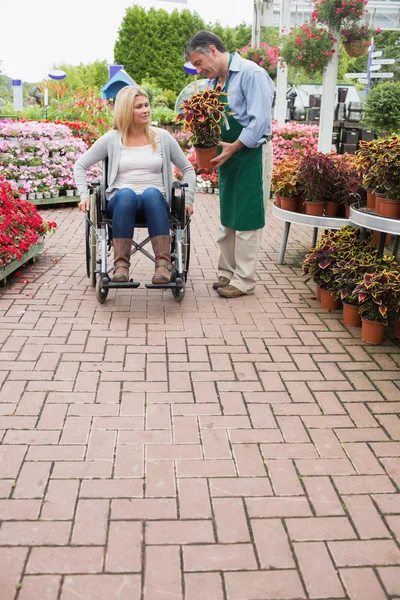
(151, 44)
(85, 78)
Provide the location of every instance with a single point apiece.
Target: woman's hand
(189, 209)
(84, 204)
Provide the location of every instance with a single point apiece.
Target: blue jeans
(150, 206)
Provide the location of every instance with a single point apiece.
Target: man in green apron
(244, 161)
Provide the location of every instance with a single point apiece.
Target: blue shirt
(251, 93)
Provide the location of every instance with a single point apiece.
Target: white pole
(255, 32)
(328, 99)
(281, 82)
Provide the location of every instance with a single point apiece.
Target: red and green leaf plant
(202, 115)
(379, 296)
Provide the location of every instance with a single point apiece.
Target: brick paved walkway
(238, 450)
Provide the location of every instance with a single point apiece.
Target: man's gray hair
(202, 41)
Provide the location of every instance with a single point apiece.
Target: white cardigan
(109, 146)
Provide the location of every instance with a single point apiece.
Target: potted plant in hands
(285, 183)
(379, 298)
(202, 116)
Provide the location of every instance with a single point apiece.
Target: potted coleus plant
(379, 298)
(317, 179)
(202, 115)
(349, 184)
(285, 183)
(387, 171)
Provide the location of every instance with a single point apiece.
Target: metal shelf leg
(285, 238)
(314, 237)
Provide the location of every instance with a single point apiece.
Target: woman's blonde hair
(123, 112)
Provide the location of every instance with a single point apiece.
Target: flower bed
(21, 227)
(293, 139)
(38, 157)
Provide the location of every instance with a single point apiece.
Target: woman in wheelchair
(139, 178)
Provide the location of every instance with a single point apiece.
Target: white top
(140, 168)
(108, 146)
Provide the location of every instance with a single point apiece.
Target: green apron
(240, 181)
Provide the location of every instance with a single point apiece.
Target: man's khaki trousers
(239, 249)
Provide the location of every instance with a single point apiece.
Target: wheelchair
(98, 243)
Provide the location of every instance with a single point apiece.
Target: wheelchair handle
(96, 182)
(178, 184)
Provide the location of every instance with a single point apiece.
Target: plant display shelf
(14, 265)
(385, 225)
(307, 220)
(58, 200)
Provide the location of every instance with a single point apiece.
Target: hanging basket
(356, 48)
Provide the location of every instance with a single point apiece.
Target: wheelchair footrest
(121, 284)
(160, 286)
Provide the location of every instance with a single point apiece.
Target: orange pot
(371, 199)
(378, 198)
(372, 332)
(329, 301)
(289, 203)
(314, 208)
(351, 316)
(347, 211)
(277, 200)
(204, 155)
(318, 293)
(389, 208)
(331, 209)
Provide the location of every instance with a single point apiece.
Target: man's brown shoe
(222, 282)
(230, 291)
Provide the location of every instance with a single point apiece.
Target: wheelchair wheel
(101, 293)
(178, 292)
(90, 242)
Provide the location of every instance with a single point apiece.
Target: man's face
(207, 64)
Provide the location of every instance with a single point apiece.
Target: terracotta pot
(331, 209)
(356, 48)
(329, 301)
(314, 208)
(318, 293)
(204, 155)
(397, 328)
(277, 200)
(351, 316)
(378, 198)
(389, 208)
(372, 332)
(371, 199)
(347, 211)
(376, 238)
(289, 203)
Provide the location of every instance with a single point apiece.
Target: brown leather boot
(162, 253)
(122, 259)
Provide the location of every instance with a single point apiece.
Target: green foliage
(85, 78)
(382, 108)
(162, 114)
(151, 44)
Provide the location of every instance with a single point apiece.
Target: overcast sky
(37, 34)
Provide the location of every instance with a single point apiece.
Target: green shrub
(382, 108)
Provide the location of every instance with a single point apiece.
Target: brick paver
(243, 449)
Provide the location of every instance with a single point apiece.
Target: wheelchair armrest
(179, 184)
(95, 183)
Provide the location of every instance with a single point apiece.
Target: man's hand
(189, 209)
(84, 204)
(227, 151)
